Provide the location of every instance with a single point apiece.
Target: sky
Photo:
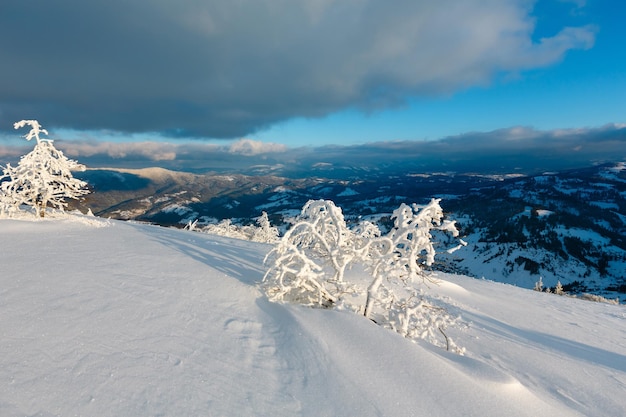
(281, 74)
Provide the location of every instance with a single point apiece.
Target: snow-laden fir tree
(43, 177)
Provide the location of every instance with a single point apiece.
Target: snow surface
(106, 318)
(348, 192)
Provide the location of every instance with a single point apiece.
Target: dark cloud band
(215, 68)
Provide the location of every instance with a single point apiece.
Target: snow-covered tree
(43, 177)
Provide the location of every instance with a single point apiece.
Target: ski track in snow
(117, 319)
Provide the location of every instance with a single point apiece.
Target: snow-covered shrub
(226, 228)
(321, 229)
(418, 317)
(308, 266)
(599, 299)
(263, 233)
(558, 290)
(396, 262)
(191, 225)
(43, 177)
(318, 241)
(294, 277)
(412, 239)
(7, 205)
(398, 258)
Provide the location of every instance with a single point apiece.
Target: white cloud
(11, 152)
(153, 151)
(163, 151)
(251, 147)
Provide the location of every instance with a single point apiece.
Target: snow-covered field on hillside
(105, 318)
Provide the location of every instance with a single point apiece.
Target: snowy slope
(104, 318)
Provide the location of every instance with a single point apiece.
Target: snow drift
(107, 318)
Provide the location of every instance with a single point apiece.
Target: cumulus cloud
(215, 68)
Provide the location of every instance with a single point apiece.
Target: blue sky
(309, 72)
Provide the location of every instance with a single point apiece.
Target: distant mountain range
(567, 226)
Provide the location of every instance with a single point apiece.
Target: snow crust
(105, 318)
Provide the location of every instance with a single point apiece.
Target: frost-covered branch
(34, 131)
